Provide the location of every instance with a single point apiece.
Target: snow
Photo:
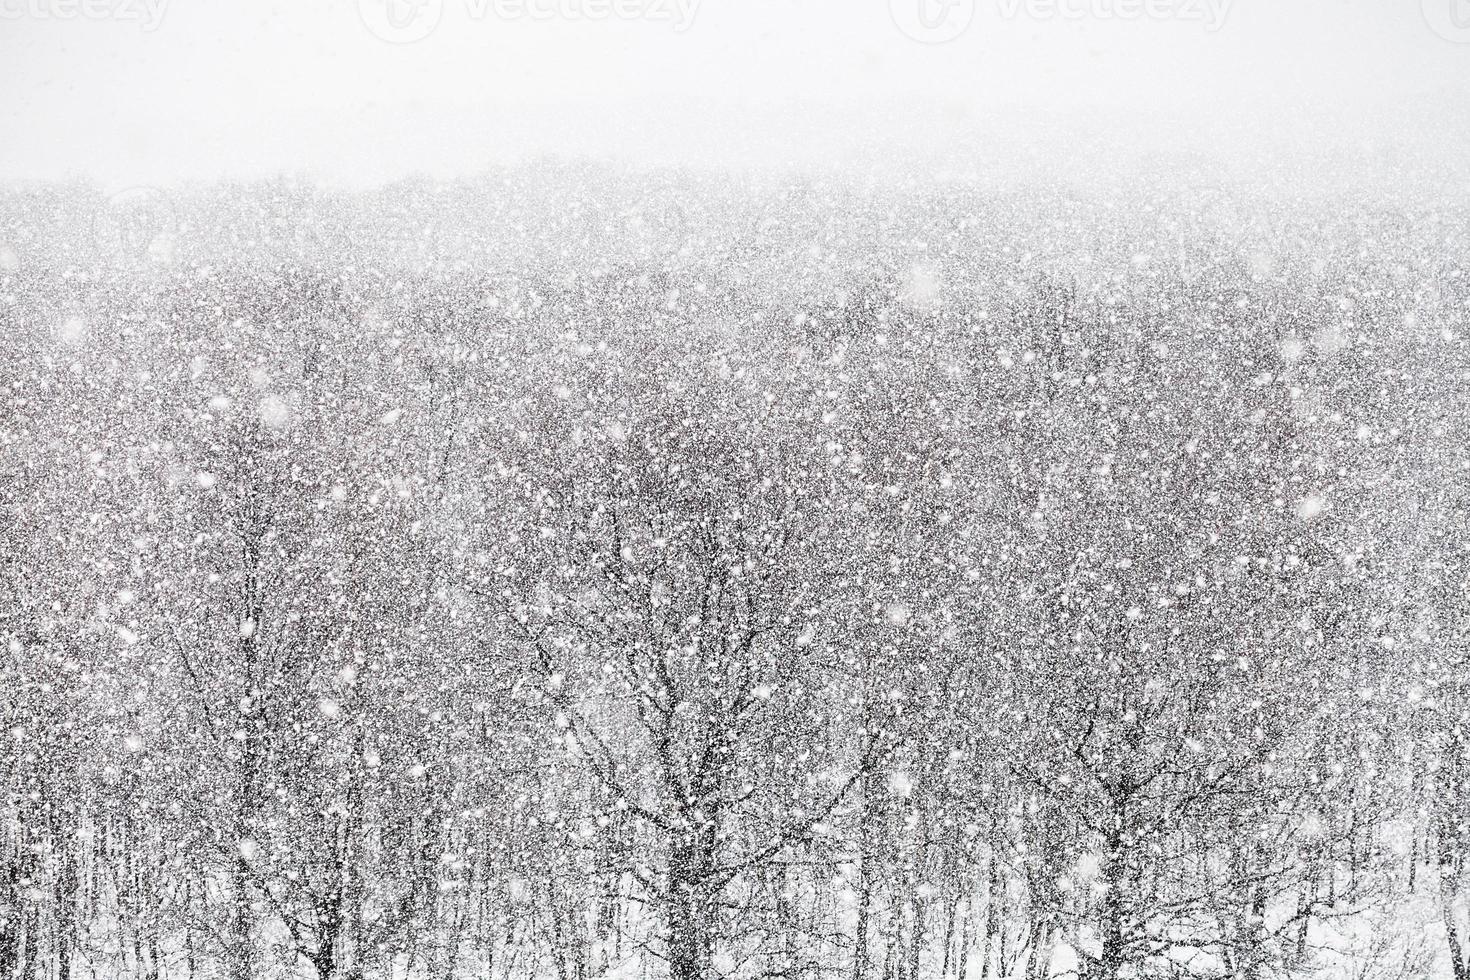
(544, 575)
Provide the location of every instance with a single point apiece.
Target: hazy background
(1301, 93)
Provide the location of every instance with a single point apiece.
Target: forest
(580, 574)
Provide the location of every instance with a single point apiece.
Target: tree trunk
(1113, 927)
(861, 952)
(240, 959)
(690, 906)
(1453, 935)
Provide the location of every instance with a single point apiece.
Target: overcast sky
(127, 91)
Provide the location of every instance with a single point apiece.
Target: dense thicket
(948, 587)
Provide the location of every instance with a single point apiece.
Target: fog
(734, 489)
(1303, 96)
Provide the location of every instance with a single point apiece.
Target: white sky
(229, 88)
